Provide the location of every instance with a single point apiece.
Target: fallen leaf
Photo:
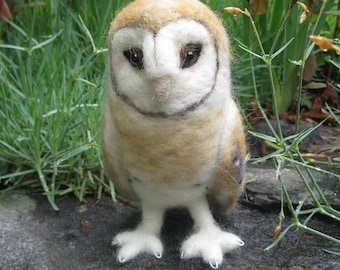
(86, 224)
(277, 231)
(330, 138)
(258, 7)
(310, 67)
(324, 43)
(316, 106)
(303, 17)
(314, 85)
(330, 95)
(233, 10)
(5, 13)
(303, 6)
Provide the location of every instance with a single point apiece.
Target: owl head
(169, 57)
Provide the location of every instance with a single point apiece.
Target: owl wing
(230, 171)
(113, 167)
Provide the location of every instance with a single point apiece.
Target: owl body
(172, 134)
(169, 156)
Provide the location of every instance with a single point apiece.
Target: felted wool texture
(173, 155)
(161, 50)
(173, 135)
(212, 123)
(154, 14)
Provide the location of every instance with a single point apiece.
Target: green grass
(287, 152)
(52, 82)
(53, 75)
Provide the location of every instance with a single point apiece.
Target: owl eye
(190, 54)
(135, 57)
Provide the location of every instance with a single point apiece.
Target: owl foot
(210, 245)
(132, 243)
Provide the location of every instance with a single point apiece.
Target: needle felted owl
(172, 136)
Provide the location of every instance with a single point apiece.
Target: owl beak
(161, 87)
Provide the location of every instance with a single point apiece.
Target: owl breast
(160, 156)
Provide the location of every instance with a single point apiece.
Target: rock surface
(264, 189)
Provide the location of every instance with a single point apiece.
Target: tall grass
(274, 34)
(52, 79)
(287, 152)
(53, 74)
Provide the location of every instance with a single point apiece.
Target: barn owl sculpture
(172, 135)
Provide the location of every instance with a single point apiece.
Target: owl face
(168, 72)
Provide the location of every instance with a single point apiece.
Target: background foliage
(53, 76)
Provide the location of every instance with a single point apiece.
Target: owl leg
(208, 241)
(144, 239)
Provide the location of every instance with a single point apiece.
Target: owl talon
(213, 264)
(133, 243)
(158, 255)
(121, 259)
(114, 243)
(210, 244)
(240, 243)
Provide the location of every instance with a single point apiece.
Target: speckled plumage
(172, 135)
